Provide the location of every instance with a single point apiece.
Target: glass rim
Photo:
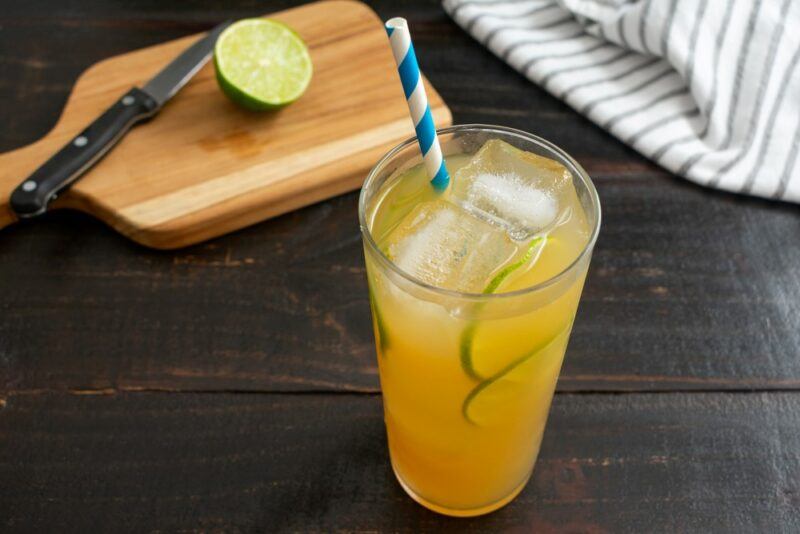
(383, 259)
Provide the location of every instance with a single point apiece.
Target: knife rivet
(80, 140)
(28, 186)
(127, 100)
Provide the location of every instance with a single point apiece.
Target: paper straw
(410, 77)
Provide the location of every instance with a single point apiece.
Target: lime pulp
(262, 64)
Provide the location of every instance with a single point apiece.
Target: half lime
(262, 64)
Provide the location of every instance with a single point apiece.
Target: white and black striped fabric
(709, 89)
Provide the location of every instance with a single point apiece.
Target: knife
(33, 195)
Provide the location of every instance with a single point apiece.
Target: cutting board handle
(7, 185)
(15, 166)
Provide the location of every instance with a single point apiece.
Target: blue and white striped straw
(407, 66)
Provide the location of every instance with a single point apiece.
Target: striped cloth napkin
(709, 89)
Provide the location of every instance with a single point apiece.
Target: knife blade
(66, 166)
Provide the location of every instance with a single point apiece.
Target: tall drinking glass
(468, 378)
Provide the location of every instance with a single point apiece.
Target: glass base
(460, 512)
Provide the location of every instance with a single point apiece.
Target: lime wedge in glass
(380, 326)
(262, 64)
(486, 400)
(466, 344)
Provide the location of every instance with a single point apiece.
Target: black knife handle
(33, 195)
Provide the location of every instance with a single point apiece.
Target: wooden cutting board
(203, 167)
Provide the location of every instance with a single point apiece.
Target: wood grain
(288, 463)
(203, 167)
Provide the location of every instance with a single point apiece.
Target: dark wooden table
(232, 386)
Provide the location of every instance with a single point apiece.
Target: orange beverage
(474, 292)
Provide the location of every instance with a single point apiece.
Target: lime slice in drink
(488, 400)
(500, 277)
(380, 327)
(467, 343)
(262, 64)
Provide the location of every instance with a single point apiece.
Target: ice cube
(508, 199)
(517, 190)
(445, 246)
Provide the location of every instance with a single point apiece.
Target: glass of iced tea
(473, 292)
